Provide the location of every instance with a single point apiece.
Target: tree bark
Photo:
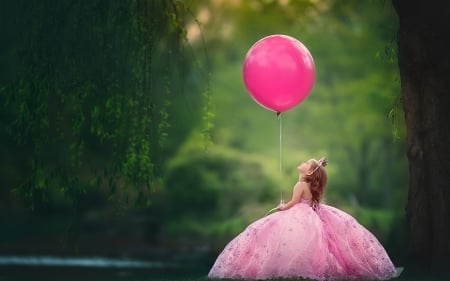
(424, 63)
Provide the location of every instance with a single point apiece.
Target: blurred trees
(353, 115)
(91, 96)
(112, 97)
(213, 194)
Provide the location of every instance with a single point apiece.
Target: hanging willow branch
(87, 101)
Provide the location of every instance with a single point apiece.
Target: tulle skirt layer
(327, 244)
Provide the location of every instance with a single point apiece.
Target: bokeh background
(135, 138)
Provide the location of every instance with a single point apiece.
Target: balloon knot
(278, 113)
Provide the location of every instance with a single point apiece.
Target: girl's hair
(317, 178)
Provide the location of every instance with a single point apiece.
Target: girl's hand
(280, 207)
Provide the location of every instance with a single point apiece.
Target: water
(40, 268)
(52, 268)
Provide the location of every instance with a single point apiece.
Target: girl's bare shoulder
(301, 183)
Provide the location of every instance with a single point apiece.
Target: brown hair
(317, 178)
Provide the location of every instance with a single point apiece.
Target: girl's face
(304, 167)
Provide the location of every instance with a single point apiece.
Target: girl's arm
(296, 195)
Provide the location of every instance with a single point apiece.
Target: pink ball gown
(327, 244)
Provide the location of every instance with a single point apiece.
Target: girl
(305, 239)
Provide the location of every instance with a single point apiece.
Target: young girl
(305, 239)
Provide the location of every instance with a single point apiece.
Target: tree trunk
(424, 62)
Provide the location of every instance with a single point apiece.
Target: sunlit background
(217, 160)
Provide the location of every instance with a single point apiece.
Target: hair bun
(323, 161)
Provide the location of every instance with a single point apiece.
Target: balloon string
(281, 170)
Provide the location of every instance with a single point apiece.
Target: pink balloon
(279, 72)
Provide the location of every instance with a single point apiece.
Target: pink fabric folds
(325, 245)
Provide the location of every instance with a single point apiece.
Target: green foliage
(88, 89)
(213, 193)
(122, 98)
(348, 118)
(352, 115)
